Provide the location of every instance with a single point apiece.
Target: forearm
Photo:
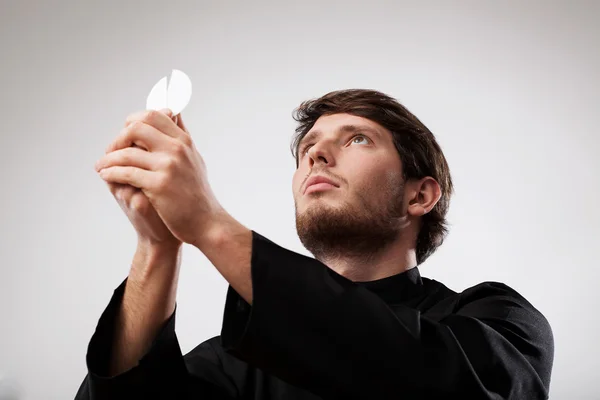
(229, 249)
(148, 301)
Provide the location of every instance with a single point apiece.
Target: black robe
(314, 334)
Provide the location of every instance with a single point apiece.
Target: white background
(510, 89)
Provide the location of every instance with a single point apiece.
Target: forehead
(333, 120)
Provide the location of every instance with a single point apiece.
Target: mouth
(319, 187)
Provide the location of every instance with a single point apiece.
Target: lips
(313, 180)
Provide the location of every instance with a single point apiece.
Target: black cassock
(314, 334)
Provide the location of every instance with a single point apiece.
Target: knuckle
(123, 194)
(128, 121)
(134, 126)
(134, 205)
(128, 174)
(126, 156)
(179, 148)
(162, 182)
(133, 130)
(150, 116)
(170, 163)
(187, 140)
(138, 202)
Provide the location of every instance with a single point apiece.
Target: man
(371, 192)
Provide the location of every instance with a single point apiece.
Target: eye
(307, 146)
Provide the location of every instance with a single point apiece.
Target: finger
(123, 193)
(129, 156)
(127, 194)
(113, 187)
(136, 177)
(142, 135)
(117, 188)
(162, 120)
(140, 115)
(118, 191)
(187, 139)
(180, 123)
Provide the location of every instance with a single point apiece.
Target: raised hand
(168, 170)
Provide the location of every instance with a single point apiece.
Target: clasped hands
(166, 168)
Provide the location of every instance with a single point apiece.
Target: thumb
(167, 112)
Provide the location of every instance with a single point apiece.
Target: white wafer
(175, 95)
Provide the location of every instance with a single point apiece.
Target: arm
(134, 352)
(148, 302)
(318, 330)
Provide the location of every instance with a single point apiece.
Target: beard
(359, 230)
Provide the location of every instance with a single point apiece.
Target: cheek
(371, 182)
(297, 182)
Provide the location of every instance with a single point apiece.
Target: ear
(424, 195)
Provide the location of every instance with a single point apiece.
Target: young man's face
(362, 214)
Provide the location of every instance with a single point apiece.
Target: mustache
(324, 175)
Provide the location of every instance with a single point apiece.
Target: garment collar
(397, 288)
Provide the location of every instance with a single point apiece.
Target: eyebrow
(344, 128)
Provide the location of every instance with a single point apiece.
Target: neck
(390, 261)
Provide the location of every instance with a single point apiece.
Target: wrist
(154, 262)
(211, 234)
(155, 249)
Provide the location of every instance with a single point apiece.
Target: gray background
(509, 88)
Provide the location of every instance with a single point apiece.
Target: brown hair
(419, 152)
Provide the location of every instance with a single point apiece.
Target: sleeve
(160, 373)
(320, 331)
